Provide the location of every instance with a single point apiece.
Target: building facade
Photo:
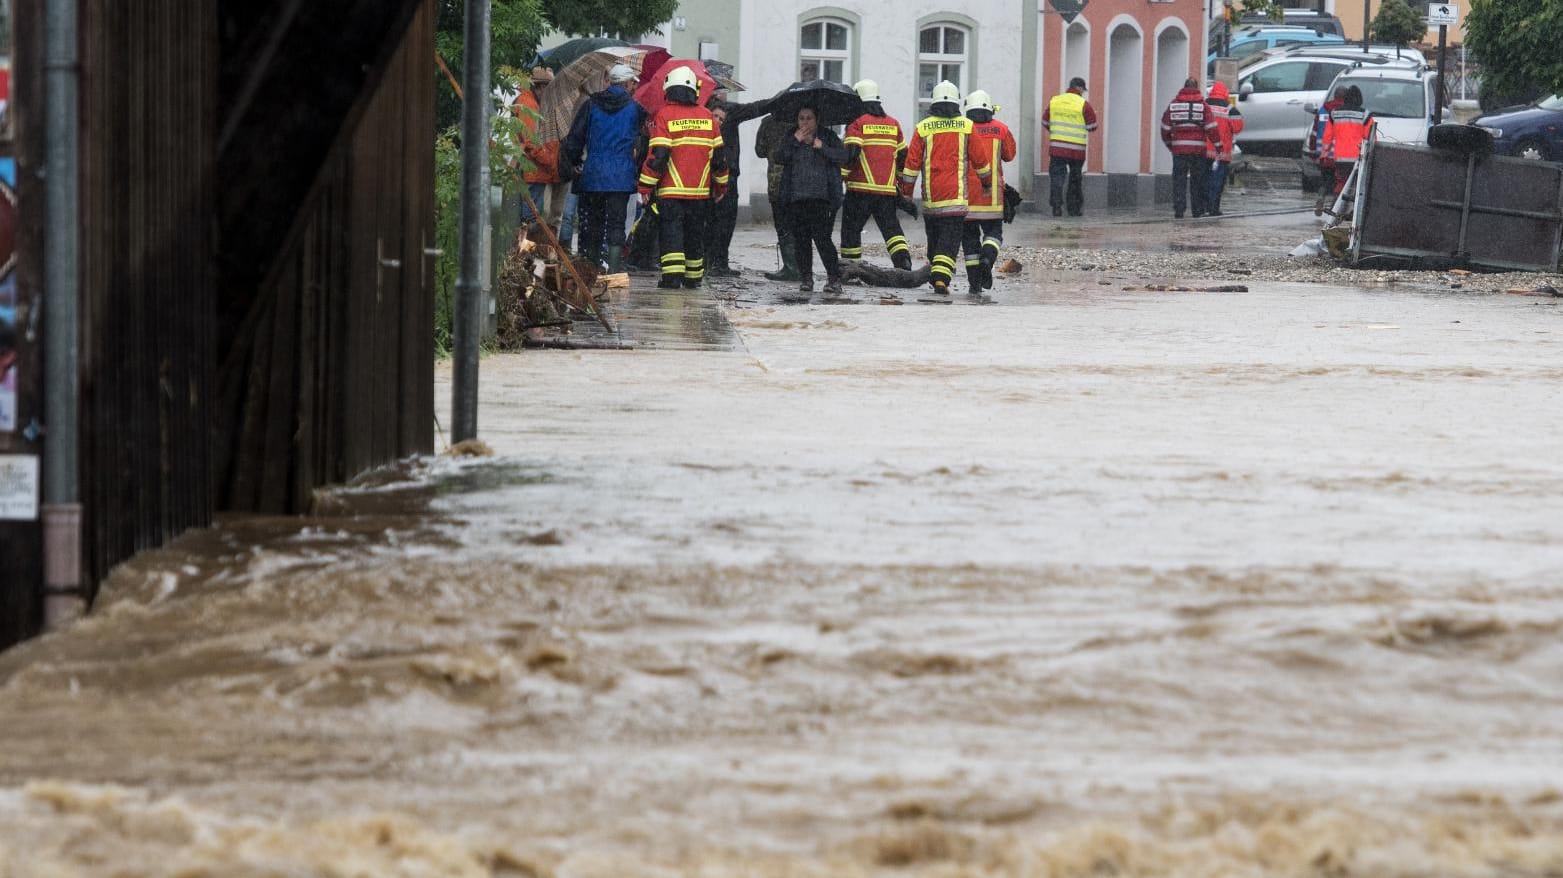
(1134, 54)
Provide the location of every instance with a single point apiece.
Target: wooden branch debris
(541, 288)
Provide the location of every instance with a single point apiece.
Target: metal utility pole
(468, 316)
(61, 312)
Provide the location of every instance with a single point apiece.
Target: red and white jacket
(993, 140)
(1229, 124)
(685, 160)
(940, 153)
(878, 139)
(1187, 124)
(1344, 133)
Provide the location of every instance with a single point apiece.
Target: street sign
(1442, 14)
(1068, 9)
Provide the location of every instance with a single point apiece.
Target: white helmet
(681, 76)
(946, 93)
(868, 90)
(622, 73)
(978, 100)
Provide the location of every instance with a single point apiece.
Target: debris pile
(542, 291)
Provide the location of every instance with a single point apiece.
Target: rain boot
(615, 259)
(974, 279)
(833, 285)
(789, 269)
(901, 259)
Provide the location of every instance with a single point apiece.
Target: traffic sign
(1442, 14)
(1068, 9)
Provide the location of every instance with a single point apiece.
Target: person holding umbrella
(544, 182)
(941, 154)
(811, 159)
(685, 166)
(601, 143)
(873, 141)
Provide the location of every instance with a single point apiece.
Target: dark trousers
(781, 219)
(1342, 174)
(602, 221)
(859, 206)
(1215, 184)
(682, 225)
(944, 241)
(1188, 183)
(1064, 174)
(981, 239)
(724, 221)
(812, 222)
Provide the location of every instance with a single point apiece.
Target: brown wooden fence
(257, 302)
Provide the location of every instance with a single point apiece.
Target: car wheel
(1532, 148)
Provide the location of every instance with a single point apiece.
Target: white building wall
(886, 52)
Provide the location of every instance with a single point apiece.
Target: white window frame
(963, 60)
(822, 55)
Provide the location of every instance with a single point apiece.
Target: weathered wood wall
(257, 305)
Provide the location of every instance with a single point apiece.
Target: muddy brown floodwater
(1088, 583)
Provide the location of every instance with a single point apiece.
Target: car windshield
(1553, 103)
(1391, 98)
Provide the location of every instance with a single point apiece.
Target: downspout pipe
(468, 313)
(64, 595)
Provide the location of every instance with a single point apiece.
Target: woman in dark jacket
(811, 187)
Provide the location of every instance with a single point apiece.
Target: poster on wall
(10, 330)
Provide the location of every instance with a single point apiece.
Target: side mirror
(1245, 90)
(1310, 108)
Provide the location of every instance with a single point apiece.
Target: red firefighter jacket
(940, 153)
(1344, 132)
(1186, 124)
(993, 140)
(685, 159)
(878, 139)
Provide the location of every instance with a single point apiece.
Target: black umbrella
(560, 56)
(836, 104)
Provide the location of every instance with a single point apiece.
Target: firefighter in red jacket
(873, 140)
(1346, 129)
(684, 170)
(1218, 150)
(1186, 125)
(984, 228)
(940, 153)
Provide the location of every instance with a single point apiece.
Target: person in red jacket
(873, 140)
(984, 229)
(1346, 129)
(1229, 123)
(940, 153)
(685, 169)
(1186, 125)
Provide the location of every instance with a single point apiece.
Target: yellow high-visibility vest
(1066, 118)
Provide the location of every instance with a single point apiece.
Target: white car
(1402, 101)
(1274, 90)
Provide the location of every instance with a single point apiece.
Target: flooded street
(1086, 582)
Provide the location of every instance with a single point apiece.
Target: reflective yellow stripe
(897, 244)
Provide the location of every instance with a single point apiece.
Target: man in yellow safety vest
(1068, 121)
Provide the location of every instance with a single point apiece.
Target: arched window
(943, 52)
(825, 46)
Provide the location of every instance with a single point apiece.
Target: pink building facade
(1134, 56)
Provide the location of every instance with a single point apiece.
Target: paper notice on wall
(18, 487)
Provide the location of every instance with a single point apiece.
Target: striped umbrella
(576, 82)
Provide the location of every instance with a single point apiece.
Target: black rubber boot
(902, 260)
(974, 279)
(789, 269)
